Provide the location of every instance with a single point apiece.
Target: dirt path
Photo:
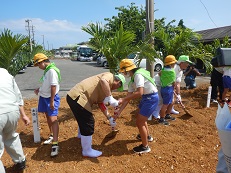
(189, 144)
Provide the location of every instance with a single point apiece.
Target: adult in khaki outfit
(11, 107)
(93, 90)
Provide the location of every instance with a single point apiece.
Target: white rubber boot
(173, 111)
(87, 151)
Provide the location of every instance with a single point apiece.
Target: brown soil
(189, 145)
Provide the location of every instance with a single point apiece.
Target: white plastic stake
(209, 96)
(34, 113)
(150, 118)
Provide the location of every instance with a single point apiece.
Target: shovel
(114, 130)
(112, 134)
(182, 105)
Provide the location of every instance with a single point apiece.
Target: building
(209, 35)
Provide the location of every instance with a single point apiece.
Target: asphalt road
(72, 72)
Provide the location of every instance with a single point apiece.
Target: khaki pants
(9, 138)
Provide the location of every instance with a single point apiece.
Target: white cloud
(56, 32)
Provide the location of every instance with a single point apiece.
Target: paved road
(72, 72)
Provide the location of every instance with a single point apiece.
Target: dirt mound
(190, 144)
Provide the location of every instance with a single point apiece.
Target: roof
(215, 33)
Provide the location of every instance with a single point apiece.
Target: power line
(208, 13)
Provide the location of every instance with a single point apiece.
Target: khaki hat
(39, 57)
(170, 59)
(126, 65)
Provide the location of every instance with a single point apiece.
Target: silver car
(102, 61)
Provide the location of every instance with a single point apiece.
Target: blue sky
(57, 23)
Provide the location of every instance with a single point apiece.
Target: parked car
(84, 53)
(73, 55)
(158, 64)
(96, 56)
(58, 55)
(66, 55)
(102, 61)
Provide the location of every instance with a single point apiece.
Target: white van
(58, 54)
(158, 64)
(66, 55)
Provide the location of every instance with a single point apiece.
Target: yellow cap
(126, 65)
(39, 57)
(170, 59)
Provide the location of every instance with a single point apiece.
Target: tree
(177, 42)
(206, 52)
(10, 56)
(169, 39)
(115, 47)
(133, 20)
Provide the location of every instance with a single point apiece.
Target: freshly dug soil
(189, 145)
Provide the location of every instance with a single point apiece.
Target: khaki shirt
(90, 91)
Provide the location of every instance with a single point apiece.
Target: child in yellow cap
(167, 78)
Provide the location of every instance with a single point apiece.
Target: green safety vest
(167, 77)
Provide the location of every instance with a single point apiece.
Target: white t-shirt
(157, 80)
(179, 73)
(50, 78)
(140, 81)
(219, 69)
(227, 71)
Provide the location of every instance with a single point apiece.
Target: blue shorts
(227, 82)
(167, 94)
(44, 105)
(148, 104)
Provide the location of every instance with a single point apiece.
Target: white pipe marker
(209, 96)
(34, 113)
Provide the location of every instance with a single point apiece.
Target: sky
(58, 23)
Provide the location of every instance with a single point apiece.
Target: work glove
(113, 102)
(178, 98)
(112, 122)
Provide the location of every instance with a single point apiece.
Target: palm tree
(118, 46)
(10, 46)
(178, 41)
(114, 48)
(175, 42)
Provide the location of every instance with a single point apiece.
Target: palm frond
(10, 45)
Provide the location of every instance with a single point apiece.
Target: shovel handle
(179, 100)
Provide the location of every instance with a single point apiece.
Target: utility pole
(48, 45)
(43, 42)
(28, 28)
(149, 30)
(33, 35)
